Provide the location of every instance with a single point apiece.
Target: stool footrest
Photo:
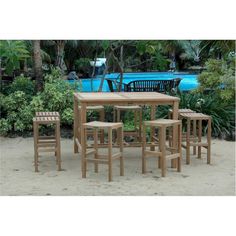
(47, 150)
(46, 145)
(199, 144)
(173, 156)
(152, 153)
(47, 141)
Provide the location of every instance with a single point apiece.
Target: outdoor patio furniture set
(159, 131)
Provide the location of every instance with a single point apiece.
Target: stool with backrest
(161, 154)
(198, 118)
(47, 143)
(97, 158)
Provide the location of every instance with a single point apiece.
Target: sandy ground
(17, 175)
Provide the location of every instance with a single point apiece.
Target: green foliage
(23, 84)
(14, 101)
(19, 107)
(67, 116)
(54, 74)
(12, 52)
(219, 76)
(82, 65)
(5, 126)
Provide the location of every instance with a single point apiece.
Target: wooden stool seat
(197, 118)
(46, 120)
(47, 113)
(183, 110)
(98, 158)
(47, 143)
(102, 125)
(162, 122)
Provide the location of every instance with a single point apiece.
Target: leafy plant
(12, 52)
(219, 76)
(23, 84)
(5, 126)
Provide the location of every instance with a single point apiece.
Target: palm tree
(38, 65)
(218, 48)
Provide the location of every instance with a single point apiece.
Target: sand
(17, 176)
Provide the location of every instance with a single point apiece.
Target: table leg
(83, 114)
(175, 131)
(76, 125)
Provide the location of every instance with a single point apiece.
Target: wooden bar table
(152, 99)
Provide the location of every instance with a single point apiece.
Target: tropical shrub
(23, 84)
(12, 53)
(18, 108)
(219, 76)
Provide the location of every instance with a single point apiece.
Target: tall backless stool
(161, 126)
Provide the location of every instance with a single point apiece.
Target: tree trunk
(105, 71)
(38, 65)
(121, 67)
(60, 46)
(94, 65)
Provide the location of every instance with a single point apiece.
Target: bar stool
(184, 110)
(198, 118)
(103, 159)
(47, 143)
(101, 111)
(162, 125)
(137, 132)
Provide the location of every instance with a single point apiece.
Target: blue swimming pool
(188, 82)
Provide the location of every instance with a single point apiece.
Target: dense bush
(220, 77)
(23, 84)
(19, 106)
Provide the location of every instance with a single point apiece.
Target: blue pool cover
(188, 82)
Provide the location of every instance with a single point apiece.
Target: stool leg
(95, 136)
(169, 134)
(109, 154)
(199, 137)
(188, 142)
(194, 136)
(140, 125)
(209, 142)
(163, 150)
(84, 147)
(143, 150)
(135, 125)
(117, 119)
(102, 118)
(58, 147)
(159, 140)
(121, 151)
(114, 115)
(179, 148)
(36, 146)
(118, 115)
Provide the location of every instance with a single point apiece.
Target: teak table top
(138, 97)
